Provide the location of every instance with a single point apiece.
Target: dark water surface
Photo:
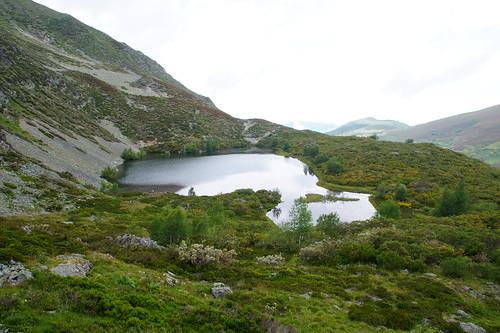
(214, 174)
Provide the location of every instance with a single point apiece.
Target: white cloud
(322, 60)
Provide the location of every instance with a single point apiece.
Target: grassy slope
(355, 289)
(476, 134)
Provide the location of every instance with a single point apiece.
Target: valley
(81, 252)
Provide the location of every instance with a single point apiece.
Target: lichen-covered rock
(14, 273)
(72, 266)
(132, 241)
(220, 291)
(471, 328)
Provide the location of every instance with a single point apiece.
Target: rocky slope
(72, 99)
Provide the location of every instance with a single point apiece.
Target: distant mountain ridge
(310, 125)
(476, 134)
(366, 127)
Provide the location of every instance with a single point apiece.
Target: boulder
(220, 291)
(471, 328)
(132, 241)
(72, 266)
(14, 273)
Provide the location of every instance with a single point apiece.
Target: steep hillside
(476, 134)
(72, 96)
(366, 127)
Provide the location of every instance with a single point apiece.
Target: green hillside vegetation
(429, 262)
(476, 134)
(367, 127)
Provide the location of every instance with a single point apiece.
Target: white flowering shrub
(273, 260)
(199, 254)
(318, 251)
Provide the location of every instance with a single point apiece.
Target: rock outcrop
(132, 241)
(13, 273)
(220, 291)
(73, 265)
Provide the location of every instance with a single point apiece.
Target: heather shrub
(273, 260)
(202, 255)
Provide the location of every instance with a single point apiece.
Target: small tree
(129, 154)
(286, 145)
(170, 227)
(335, 165)
(311, 150)
(300, 223)
(390, 209)
(409, 140)
(328, 224)
(275, 142)
(321, 158)
(400, 192)
(211, 145)
(453, 203)
(109, 173)
(191, 192)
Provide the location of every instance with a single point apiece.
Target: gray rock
(307, 295)
(471, 328)
(171, 279)
(132, 241)
(73, 266)
(430, 274)
(462, 314)
(220, 291)
(14, 273)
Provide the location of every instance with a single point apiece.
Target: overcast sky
(317, 60)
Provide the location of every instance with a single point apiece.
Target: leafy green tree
(374, 136)
(453, 203)
(211, 145)
(191, 148)
(311, 150)
(300, 222)
(400, 192)
(390, 209)
(286, 145)
(191, 192)
(409, 140)
(109, 188)
(128, 154)
(381, 190)
(109, 173)
(335, 165)
(321, 158)
(328, 224)
(171, 227)
(275, 142)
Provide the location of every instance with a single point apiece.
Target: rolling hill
(366, 127)
(476, 134)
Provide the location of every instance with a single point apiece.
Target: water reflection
(214, 174)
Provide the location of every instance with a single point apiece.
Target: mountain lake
(227, 172)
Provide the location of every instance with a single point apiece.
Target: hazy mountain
(310, 125)
(476, 134)
(367, 127)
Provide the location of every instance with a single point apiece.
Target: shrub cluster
(201, 255)
(273, 260)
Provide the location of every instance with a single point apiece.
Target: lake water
(214, 174)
